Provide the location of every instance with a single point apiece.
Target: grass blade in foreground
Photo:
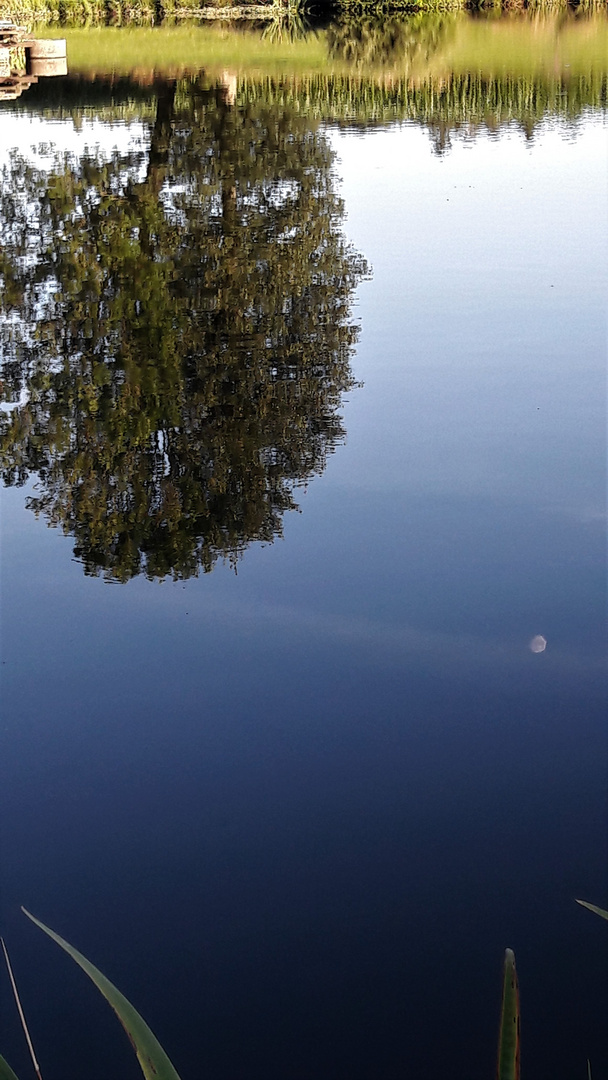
(154, 1062)
(26, 1032)
(592, 907)
(508, 1042)
(6, 1073)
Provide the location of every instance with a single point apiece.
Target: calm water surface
(306, 370)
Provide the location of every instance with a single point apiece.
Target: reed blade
(598, 910)
(509, 1039)
(6, 1073)
(20, 1010)
(153, 1060)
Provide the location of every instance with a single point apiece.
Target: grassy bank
(130, 12)
(446, 71)
(417, 49)
(153, 12)
(447, 74)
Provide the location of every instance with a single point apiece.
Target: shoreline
(83, 13)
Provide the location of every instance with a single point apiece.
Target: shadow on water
(188, 374)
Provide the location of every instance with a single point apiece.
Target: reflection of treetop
(178, 324)
(372, 42)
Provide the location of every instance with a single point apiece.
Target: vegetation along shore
(153, 12)
(447, 70)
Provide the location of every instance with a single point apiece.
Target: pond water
(303, 362)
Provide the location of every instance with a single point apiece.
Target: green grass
(444, 70)
(150, 12)
(558, 47)
(121, 12)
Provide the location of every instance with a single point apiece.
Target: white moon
(538, 643)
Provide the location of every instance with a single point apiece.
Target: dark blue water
(297, 811)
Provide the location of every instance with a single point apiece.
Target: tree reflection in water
(372, 42)
(178, 326)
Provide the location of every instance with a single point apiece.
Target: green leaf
(592, 907)
(508, 1041)
(154, 1062)
(6, 1073)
